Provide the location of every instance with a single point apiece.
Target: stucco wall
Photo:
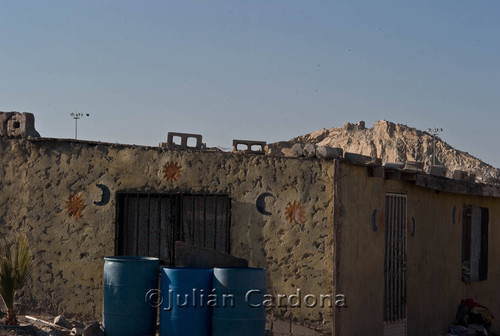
(434, 252)
(37, 178)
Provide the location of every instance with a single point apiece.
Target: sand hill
(397, 143)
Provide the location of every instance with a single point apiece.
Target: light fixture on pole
(77, 116)
(434, 132)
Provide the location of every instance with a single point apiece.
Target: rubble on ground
(41, 326)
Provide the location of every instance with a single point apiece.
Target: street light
(77, 116)
(434, 132)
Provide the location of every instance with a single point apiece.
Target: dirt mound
(398, 143)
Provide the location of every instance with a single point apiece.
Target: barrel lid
(186, 268)
(240, 268)
(130, 258)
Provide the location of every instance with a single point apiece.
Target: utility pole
(77, 116)
(434, 132)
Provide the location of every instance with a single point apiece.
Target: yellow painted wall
(434, 286)
(37, 177)
(360, 252)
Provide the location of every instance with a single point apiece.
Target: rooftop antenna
(434, 132)
(77, 116)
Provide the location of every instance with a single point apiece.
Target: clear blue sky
(258, 70)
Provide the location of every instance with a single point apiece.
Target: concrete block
(437, 171)
(377, 172)
(187, 255)
(414, 166)
(409, 176)
(492, 180)
(281, 148)
(279, 145)
(460, 175)
(15, 124)
(22, 125)
(184, 140)
(61, 321)
(392, 174)
(274, 151)
(298, 150)
(362, 159)
(4, 117)
(394, 165)
(328, 153)
(310, 150)
(357, 158)
(250, 144)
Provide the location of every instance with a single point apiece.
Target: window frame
(475, 222)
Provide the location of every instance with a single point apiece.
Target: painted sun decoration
(172, 171)
(295, 212)
(74, 206)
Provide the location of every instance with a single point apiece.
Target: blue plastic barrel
(184, 310)
(126, 309)
(240, 310)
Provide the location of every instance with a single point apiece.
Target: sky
(253, 69)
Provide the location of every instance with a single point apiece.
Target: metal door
(149, 223)
(395, 265)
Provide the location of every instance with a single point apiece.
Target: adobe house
(396, 244)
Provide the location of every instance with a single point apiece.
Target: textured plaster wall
(360, 252)
(434, 286)
(38, 177)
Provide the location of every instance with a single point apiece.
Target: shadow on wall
(247, 238)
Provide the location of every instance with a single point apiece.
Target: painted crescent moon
(106, 195)
(261, 203)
